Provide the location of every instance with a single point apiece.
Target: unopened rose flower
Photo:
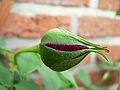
(61, 50)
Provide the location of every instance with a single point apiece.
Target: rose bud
(61, 50)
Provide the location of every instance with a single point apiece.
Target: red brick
(60, 2)
(97, 76)
(90, 26)
(53, 2)
(65, 22)
(5, 6)
(45, 22)
(109, 4)
(74, 2)
(114, 53)
(17, 25)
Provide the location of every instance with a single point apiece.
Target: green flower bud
(61, 50)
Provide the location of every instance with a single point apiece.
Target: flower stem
(5, 52)
(34, 49)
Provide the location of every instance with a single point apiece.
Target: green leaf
(1, 60)
(84, 78)
(50, 78)
(17, 77)
(6, 77)
(109, 65)
(82, 88)
(3, 88)
(103, 66)
(64, 82)
(118, 12)
(28, 62)
(98, 88)
(69, 89)
(2, 42)
(27, 85)
(110, 61)
(118, 88)
(69, 77)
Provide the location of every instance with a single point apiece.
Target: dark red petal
(66, 47)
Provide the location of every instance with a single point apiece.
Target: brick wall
(94, 20)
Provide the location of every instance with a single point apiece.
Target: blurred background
(24, 22)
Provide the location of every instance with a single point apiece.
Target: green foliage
(2, 42)
(109, 65)
(118, 12)
(28, 62)
(27, 85)
(17, 78)
(6, 77)
(3, 88)
(1, 62)
(118, 88)
(93, 87)
(84, 77)
(64, 82)
(69, 77)
(56, 81)
(50, 78)
(67, 80)
(69, 89)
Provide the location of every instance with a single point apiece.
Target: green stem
(34, 49)
(5, 52)
(13, 54)
(9, 54)
(5, 49)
